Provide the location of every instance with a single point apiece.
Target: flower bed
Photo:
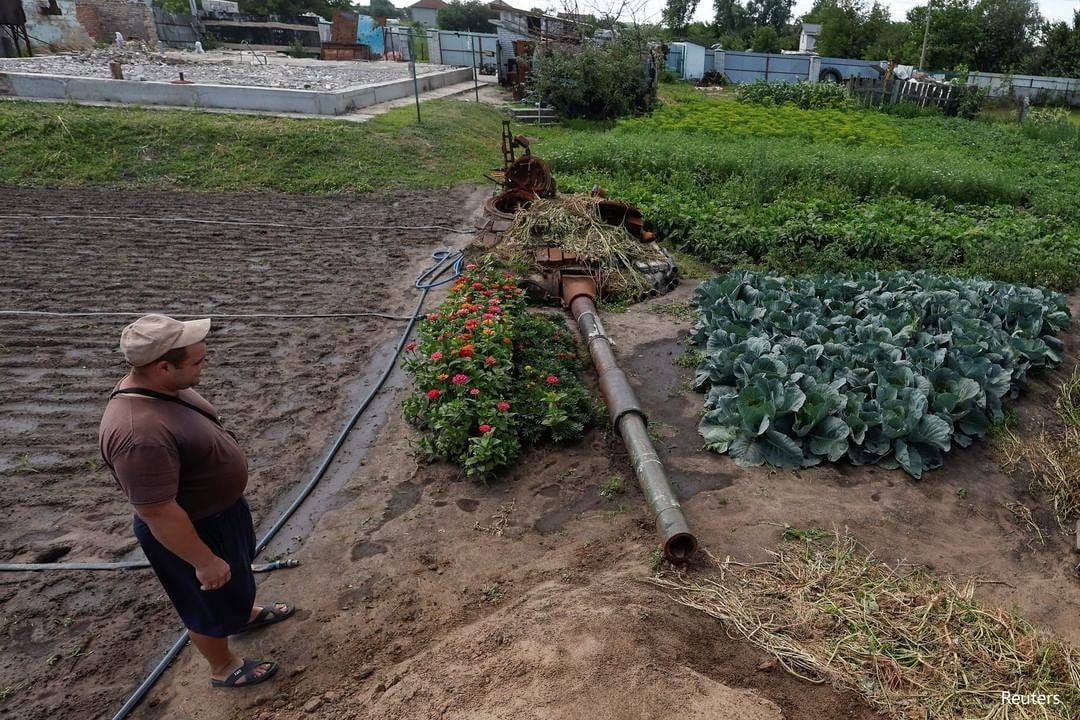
(889, 368)
(491, 378)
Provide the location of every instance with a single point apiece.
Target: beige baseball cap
(151, 336)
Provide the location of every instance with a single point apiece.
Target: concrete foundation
(228, 97)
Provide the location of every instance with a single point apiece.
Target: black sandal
(246, 672)
(268, 616)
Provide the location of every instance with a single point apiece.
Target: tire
(830, 76)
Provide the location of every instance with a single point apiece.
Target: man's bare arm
(172, 527)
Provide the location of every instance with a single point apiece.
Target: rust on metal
(531, 174)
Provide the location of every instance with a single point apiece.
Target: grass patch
(67, 145)
(911, 644)
(1053, 456)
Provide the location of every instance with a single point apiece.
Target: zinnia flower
(478, 286)
(474, 391)
(410, 346)
(552, 380)
(433, 394)
(436, 355)
(460, 379)
(433, 317)
(490, 360)
(485, 428)
(442, 377)
(466, 351)
(470, 266)
(503, 406)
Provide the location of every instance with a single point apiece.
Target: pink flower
(503, 406)
(433, 394)
(474, 391)
(552, 380)
(470, 266)
(477, 286)
(433, 317)
(485, 428)
(490, 360)
(471, 323)
(436, 355)
(410, 346)
(488, 316)
(459, 379)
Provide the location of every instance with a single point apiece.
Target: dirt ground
(424, 594)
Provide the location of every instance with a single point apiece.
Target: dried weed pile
(1053, 457)
(912, 645)
(573, 223)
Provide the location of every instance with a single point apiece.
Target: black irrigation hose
(428, 279)
(240, 223)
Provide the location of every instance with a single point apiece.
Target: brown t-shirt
(160, 450)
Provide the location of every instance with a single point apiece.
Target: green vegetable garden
(887, 368)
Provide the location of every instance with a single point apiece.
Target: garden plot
(284, 386)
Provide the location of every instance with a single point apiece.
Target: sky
(1052, 9)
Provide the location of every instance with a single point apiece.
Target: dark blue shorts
(218, 613)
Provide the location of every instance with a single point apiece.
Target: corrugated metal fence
(174, 28)
(463, 49)
(1038, 89)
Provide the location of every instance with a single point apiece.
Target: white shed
(691, 60)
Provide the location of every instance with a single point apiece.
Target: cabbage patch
(892, 368)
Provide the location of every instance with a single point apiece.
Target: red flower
(410, 346)
(487, 316)
(478, 286)
(436, 355)
(466, 351)
(433, 317)
(470, 266)
(552, 380)
(459, 379)
(485, 428)
(503, 406)
(490, 360)
(433, 394)
(474, 391)
(471, 323)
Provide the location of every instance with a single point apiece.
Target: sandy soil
(427, 595)
(283, 386)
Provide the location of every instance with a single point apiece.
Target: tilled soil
(423, 594)
(280, 384)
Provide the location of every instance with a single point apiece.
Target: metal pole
(925, 36)
(629, 419)
(475, 69)
(416, 89)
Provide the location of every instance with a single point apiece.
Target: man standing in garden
(185, 475)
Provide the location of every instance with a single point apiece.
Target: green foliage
(471, 15)
(970, 101)
(1052, 125)
(809, 96)
(1059, 54)
(677, 13)
(765, 40)
(594, 82)
(492, 379)
(74, 145)
(884, 368)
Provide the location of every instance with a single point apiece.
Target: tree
(849, 28)
(677, 13)
(774, 13)
(290, 8)
(1009, 29)
(470, 15)
(1059, 54)
(765, 40)
(956, 29)
(731, 17)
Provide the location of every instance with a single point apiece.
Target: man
(185, 476)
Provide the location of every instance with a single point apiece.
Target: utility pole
(925, 35)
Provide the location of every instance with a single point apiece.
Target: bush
(809, 96)
(968, 102)
(592, 82)
(908, 109)
(884, 368)
(492, 379)
(1052, 125)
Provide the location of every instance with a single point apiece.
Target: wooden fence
(875, 92)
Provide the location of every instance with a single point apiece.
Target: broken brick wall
(131, 18)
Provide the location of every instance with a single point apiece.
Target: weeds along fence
(876, 92)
